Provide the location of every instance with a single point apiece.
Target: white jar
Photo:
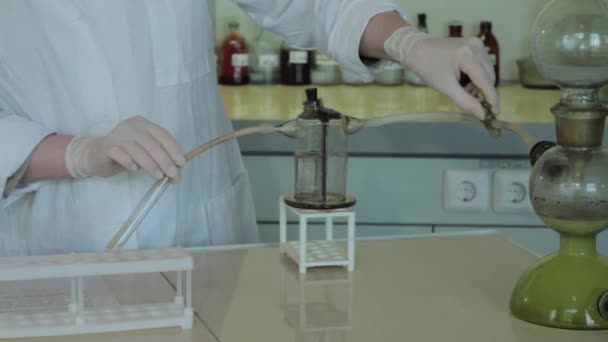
(391, 74)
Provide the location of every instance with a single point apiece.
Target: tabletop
(424, 289)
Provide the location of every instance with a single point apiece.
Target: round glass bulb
(570, 43)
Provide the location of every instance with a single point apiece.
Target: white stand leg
(73, 307)
(179, 297)
(282, 222)
(188, 311)
(188, 289)
(351, 242)
(303, 311)
(329, 228)
(80, 301)
(303, 237)
(350, 300)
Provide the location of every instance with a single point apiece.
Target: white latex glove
(134, 143)
(439, 61)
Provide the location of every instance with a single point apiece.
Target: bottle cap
(422, 19)
(311, 94)
(455, 23)
(486, 26)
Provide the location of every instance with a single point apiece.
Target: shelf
(276, 102)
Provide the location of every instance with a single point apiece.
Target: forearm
(48, 160)
(379, 28)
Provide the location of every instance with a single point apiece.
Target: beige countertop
(424, 289)
(276, 102)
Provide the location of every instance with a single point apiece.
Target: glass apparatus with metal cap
(569, 181)
(320, 157)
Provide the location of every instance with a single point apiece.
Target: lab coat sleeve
(333, 27)
(19, 136)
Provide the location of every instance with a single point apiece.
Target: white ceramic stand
(318, 253)
(79, 320)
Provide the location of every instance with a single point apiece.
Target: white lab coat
(80, 67)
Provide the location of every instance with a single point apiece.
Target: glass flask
(569, 189)
(569, 180)
(570, 43)
(320, 157)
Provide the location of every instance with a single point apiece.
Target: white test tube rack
(318, 253)
(77, 319)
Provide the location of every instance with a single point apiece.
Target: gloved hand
(134, 143)
(439, 61)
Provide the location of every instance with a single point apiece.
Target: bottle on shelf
(325, 71)
(410, 76)
(455, 28)
(265, 59)
(422, 26)
(234, 60)
(391, 74)
(296, 65)
(491, 43)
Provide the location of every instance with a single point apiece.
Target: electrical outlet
(466, 190)
(510, 191)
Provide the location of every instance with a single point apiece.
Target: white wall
(512, 22)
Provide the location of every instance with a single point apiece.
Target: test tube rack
(76, 319)
(318, 253)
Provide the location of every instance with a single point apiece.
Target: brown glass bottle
(456, 32)
(422, 25)
(491, 44)
(489, 40)
(234, 61)
(295, 66)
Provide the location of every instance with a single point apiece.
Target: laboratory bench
(397, 171)
(253, 105)
(280, 102)
(424, 288)
(256, 104)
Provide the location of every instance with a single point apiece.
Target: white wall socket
(466, 190)
(511, 192)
